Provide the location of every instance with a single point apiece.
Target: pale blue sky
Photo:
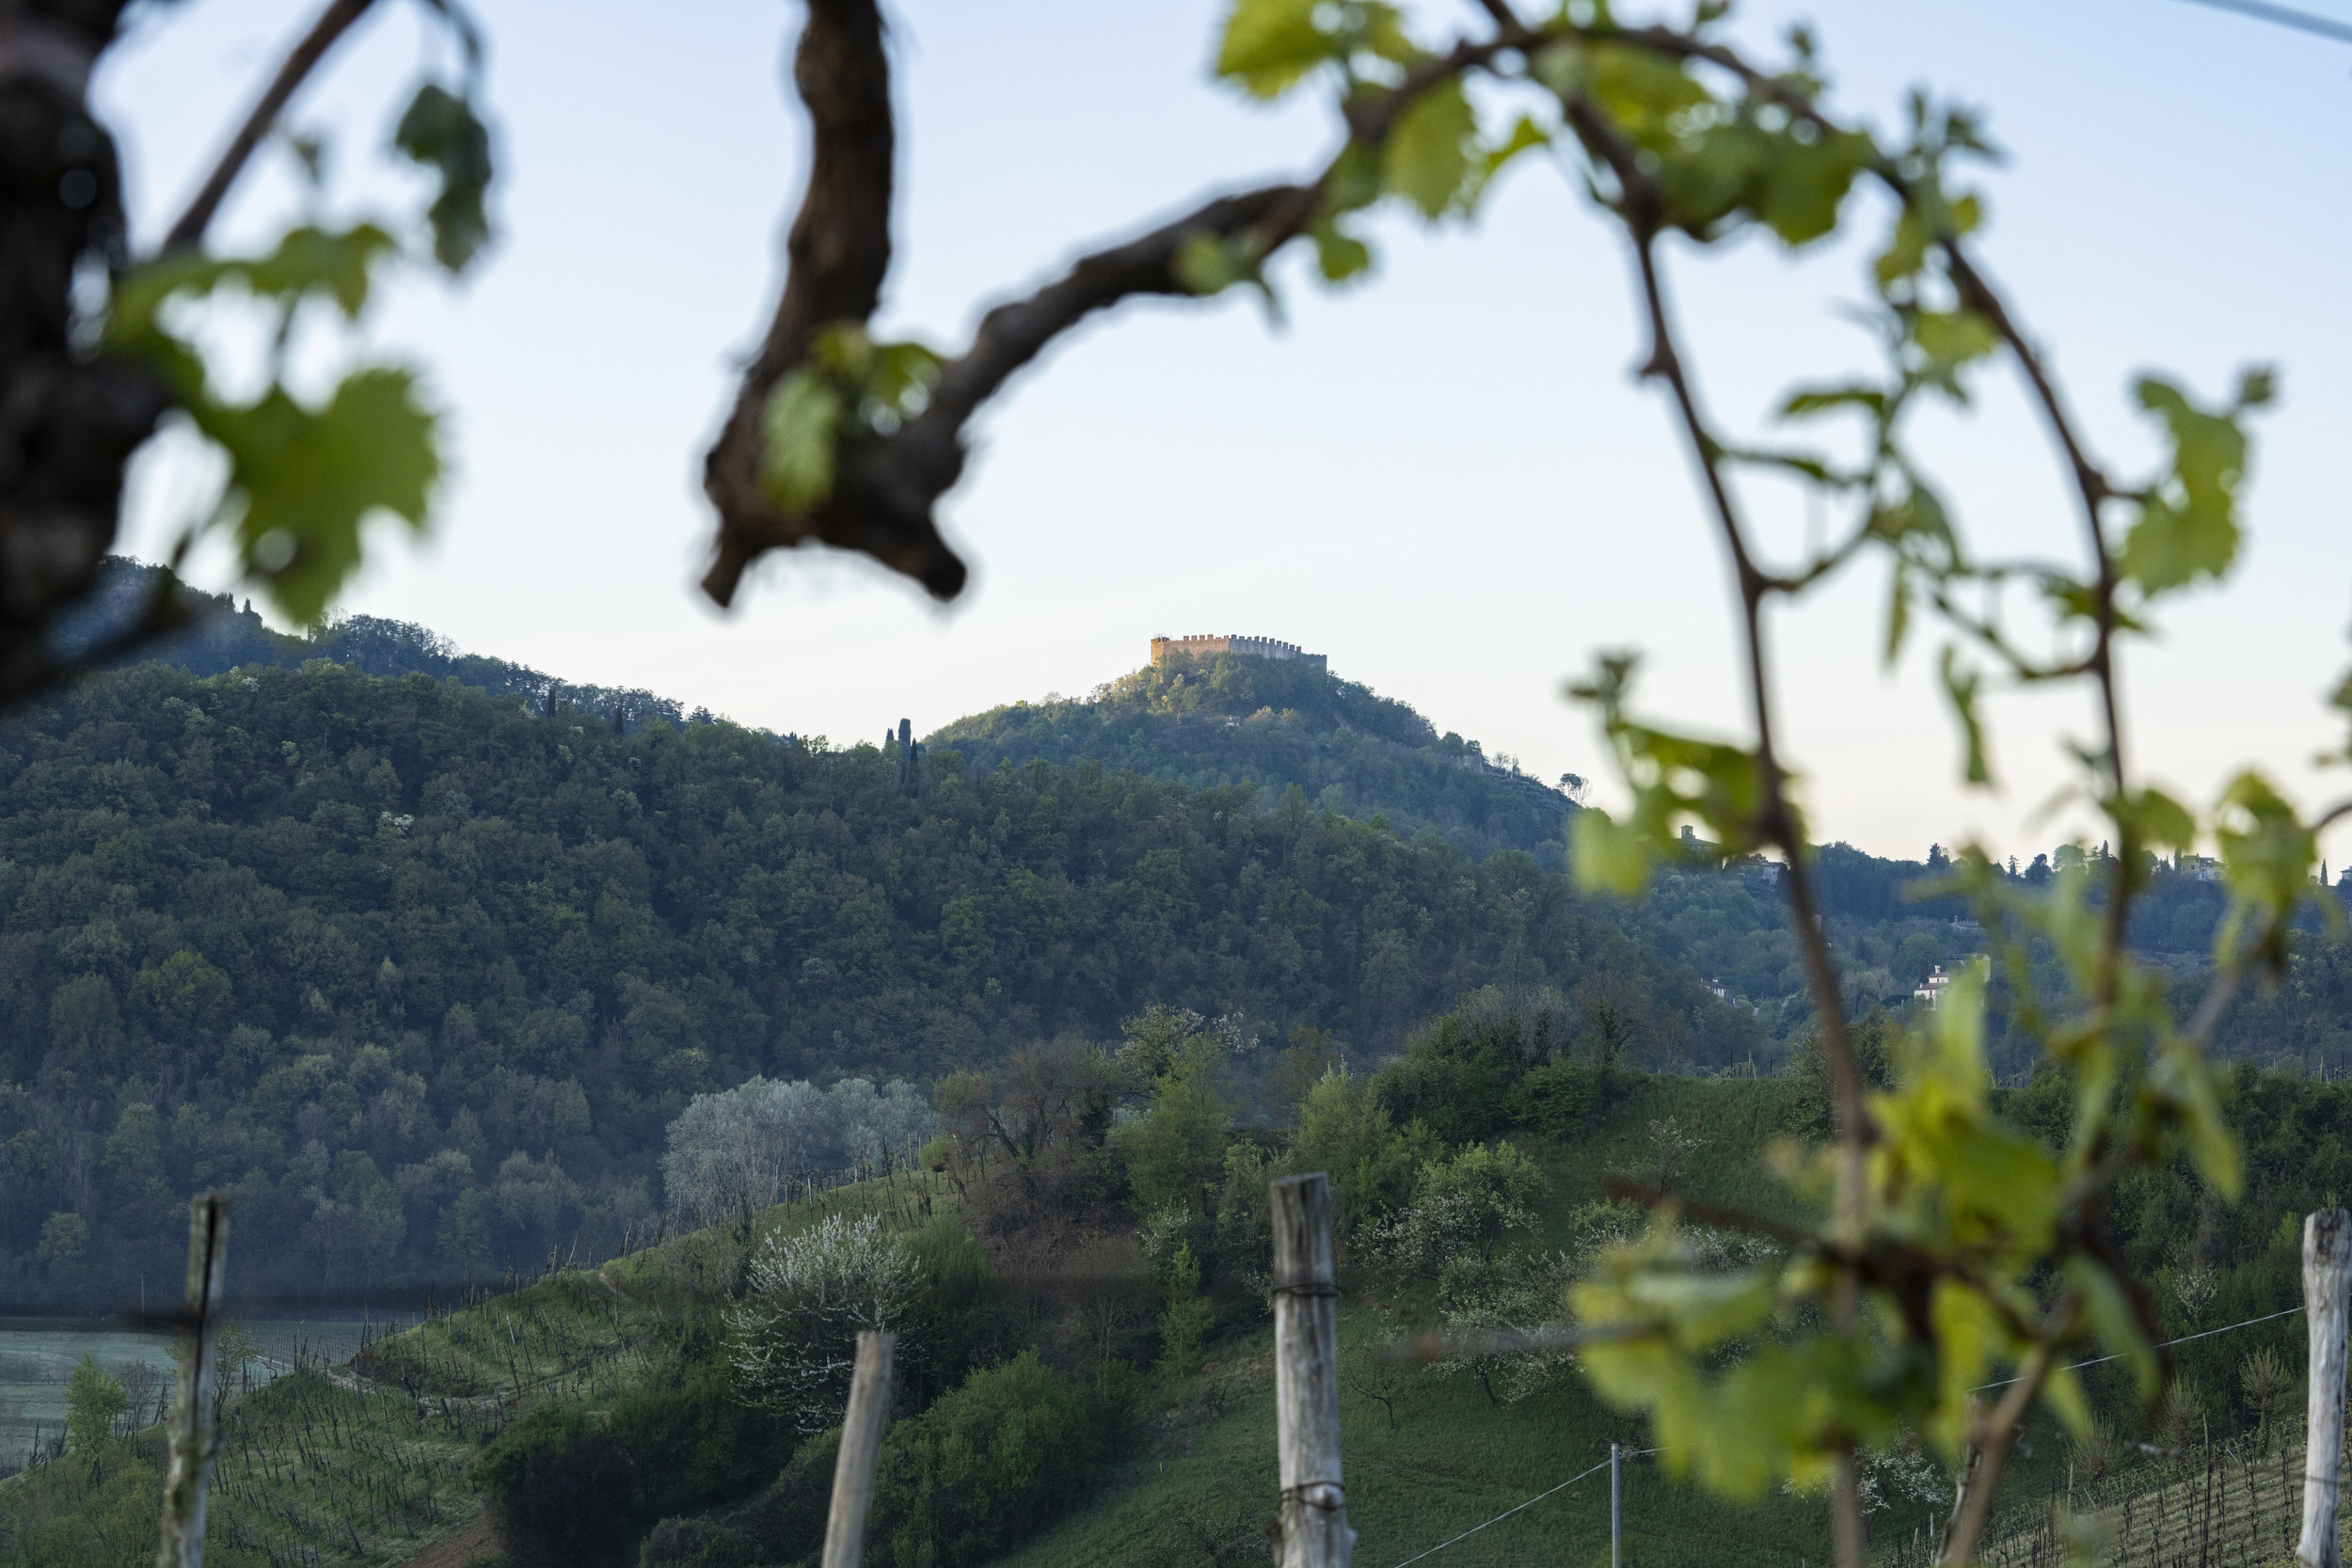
(1444, 479)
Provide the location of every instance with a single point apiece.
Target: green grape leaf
(1643, 90)
(307, 479)
(900, 371)
(1609, 858)
(2187, 526)
(1270, 45)
(1922, 221)
(1897, 614)
(2107, 1306)
(1906, 250)
(1524, 135)
(1947, 340)
(2183, 1078)
(1803, 184)
(2267, 854)
(1338, 255)
(1429, 155)
(307, 260)
(441, 130)
(1961, 685)
(301, 481)
(1809, 401)
(1207, 264)
(800, 430)
(2156, 819)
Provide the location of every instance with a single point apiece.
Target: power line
(2166, 1345)
(1529, 1503)
(2283, 16)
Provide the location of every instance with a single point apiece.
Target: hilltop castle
(1202, 647)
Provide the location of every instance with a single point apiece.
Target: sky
(1446, 479)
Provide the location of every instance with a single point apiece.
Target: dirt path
(475, 1538)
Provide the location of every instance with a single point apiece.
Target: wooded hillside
(357, 949)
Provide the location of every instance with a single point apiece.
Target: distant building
(1204, 647)
(1930, 990)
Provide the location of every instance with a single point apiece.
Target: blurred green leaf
(1961, 686)
(2187, 526)
(801, 429)
(1208, 263)
(1524, 135)
(1950, 339)
(307, 260)
(303, 482)
(1270, 45)
(2268, 856)
(1338, 255)
(1609, 859)
(441, 130)
(1429, 156)
(1808, 402)
(1802, 184)
(2157, 821)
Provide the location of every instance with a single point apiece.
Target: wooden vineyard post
(1307, 1376)
(194, 1443)
(861, 1441)
(2326, 1274)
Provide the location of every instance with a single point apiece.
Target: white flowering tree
(740, 1149)
(744, 1148)
(806, 1296)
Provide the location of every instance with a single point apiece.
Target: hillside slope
(424, 973)
(220, 637)
(1275, 724)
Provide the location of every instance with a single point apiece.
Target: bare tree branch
(838, 254)
(886, 485)
(332, 23)
(69, 420)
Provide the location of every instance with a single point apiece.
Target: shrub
(989, 1465)
(573, 1508)
(1457, 1077)
(507, 1460)
(785, 1523)
(697, 1543)
(1345, 1131)
(959, 1319)
(1555, 1098)
(1186, 1318)
(92, 1400)
(696, 1444)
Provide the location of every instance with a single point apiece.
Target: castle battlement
(1204, 647)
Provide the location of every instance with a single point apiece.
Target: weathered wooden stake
(194, 1444)
(2326, 1275)
(1307, 1376)
(861, 1441)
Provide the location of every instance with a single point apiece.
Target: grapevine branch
(839, 254)
(332, 23)
(1641, 208)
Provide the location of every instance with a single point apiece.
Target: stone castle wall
(1206, 647)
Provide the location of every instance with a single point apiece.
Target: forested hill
(221, 637)
(355, 946)
(422, 972)
(1236, 719)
